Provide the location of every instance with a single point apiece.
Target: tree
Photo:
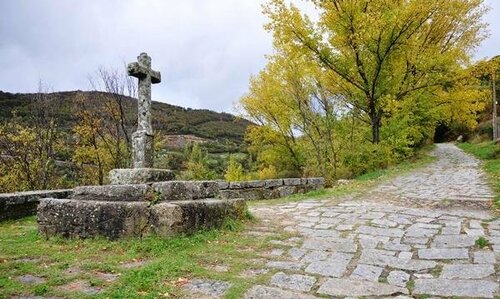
(197, 164)
(103, 128)
(234, 171)
(29, 147)
(382, 51)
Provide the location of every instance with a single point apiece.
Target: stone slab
(377, 231)
(211, 288)
(136, 192)
(398, 278)
(443, 253)
(358, 288)
(395, 262)
(139, 176)
(459, 288)
(454, 241)
(367, 272)
(295, 282)
(186, 190)
(84, 219)
(334, 266)
(264, 292)
(22, 204)
(467, 271)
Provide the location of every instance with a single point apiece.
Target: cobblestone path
(386, 243)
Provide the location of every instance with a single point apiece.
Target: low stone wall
(22, 204)
(269, 189)
(18, 205)
(165, 209)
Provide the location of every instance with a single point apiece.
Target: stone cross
(142, 139)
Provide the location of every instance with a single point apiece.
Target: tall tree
(383, 51)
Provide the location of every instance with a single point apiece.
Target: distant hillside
(168, 119)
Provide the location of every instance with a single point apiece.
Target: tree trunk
(375, 129)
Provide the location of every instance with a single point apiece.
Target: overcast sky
(206, 50)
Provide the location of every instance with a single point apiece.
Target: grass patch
(168, 262)
(489, 153)
(482, 242)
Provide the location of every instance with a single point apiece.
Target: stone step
(115, 219)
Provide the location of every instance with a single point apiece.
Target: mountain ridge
(167, 119)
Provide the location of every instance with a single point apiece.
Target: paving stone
(398, 278)
(296, 253)
(294, 282)
(405, 255)
(394, 262)
(460, 288)
(384, 223)
(285, 265)
(467, 271)
(443, 253)
(413, 240)
(396, 245)
(451, 241)
(324, 226)
(30, 279)
(335, 266)
(367, 272)
(484, 257)
(379, 252)
(315, 256)
(450, 230)
(373, 215)
(418, 232)
(330, 244)
(474, 232)
(344, 227)
(377, 231)
(357, 288)
(212, 288)
(264, 292)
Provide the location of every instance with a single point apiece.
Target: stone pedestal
(139, 176)
(142, 149)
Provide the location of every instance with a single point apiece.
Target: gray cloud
(205, 49)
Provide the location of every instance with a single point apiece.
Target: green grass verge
(169, 262)
(489, 153)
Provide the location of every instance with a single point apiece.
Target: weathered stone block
(246, 184)
(248, 194)
(137, 192)
(83, 219)
(186, 190)
(115, 219)
(273, 183)
(292, 182)
(22, 204)
(223, 185)
(209, 213)
(286, 191)
(139, 176)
